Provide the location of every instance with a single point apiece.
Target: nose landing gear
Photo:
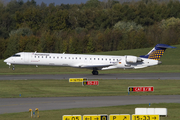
(13, 68)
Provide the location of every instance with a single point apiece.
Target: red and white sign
(143, 89)
(92, 82)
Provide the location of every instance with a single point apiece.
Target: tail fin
(157, 52)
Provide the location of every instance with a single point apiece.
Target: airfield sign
(71, 117)
(95, 117)
(145, 117)
(119, 117)
(90, 83)
(111, 117)
(77, 79)
(141, 89)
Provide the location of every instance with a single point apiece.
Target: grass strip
(173, 112)
(59, 88)
(68, 70)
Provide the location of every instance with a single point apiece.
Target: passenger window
(94, 58)
(16, 55)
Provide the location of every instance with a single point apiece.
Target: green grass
(173, 112)
(170, 63)
(58, 88)
(69, 70)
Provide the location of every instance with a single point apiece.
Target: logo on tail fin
(157, 52)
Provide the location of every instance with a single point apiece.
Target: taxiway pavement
(135, 76)
(12, 105)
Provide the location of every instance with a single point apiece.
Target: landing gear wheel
(13, 68)
(95, 72)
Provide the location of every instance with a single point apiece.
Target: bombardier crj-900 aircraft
(94, 62)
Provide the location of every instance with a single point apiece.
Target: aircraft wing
(95, 66)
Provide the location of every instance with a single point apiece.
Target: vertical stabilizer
(157, 51)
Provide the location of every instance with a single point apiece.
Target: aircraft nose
(5, 60)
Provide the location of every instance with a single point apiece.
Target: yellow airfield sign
(77, 79)
(111, 117)
(71, 117)
(91, 117)
(119, 117)
(95, 117)
(145, 117)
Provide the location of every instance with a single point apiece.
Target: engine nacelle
(133, 59)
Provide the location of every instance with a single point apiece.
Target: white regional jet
(94, 62)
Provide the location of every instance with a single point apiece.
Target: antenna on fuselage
(63, 52)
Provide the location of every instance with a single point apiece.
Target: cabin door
(26, 57)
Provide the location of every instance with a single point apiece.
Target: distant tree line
(107, 25)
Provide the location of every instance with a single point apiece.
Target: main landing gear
(95, 72)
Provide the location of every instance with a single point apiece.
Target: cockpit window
(16, 55)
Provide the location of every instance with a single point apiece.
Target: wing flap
(94, 66)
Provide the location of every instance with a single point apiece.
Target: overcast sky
(58, 2)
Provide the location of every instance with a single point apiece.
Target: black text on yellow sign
(71, 117)
(104, 117)
(145, 117)
(77, 79)
(95, 117)
(119, 117)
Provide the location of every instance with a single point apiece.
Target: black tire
(95, 72)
